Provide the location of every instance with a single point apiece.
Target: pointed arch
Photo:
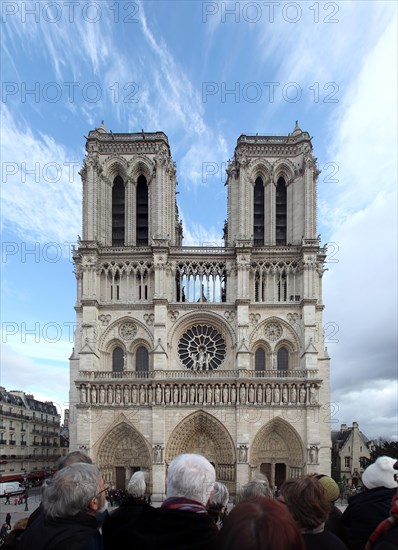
(283, 168)
(141, 165)
(115, 166)
(142, 211)
(204, 434)
(278, 441)
(122, 448)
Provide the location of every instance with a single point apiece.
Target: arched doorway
(203, 434)
(277, 452)
(123, 451)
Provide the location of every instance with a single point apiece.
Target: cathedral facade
(213, 350)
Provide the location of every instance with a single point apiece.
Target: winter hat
(332, 490)
(380, 474)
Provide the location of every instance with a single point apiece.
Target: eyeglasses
(106, 490)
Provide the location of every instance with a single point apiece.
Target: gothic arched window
(259, 359)
(258, 213)
(141, 359)
(281, 212)
(117, 360)
(283, 359)
(118, 217)
(142, 211)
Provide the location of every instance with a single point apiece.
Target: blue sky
(204, 73)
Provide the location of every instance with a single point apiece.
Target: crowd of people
(196, 514)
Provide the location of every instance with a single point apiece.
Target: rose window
(201, 347)
(127, 331)
(273, 331)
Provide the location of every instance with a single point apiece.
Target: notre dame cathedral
(210, 350)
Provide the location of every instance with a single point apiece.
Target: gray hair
(255, 488)
(71, 490)
(72, 458)
(190, 476)
(220, 496)
(137, 485)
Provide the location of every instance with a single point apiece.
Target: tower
(215, 350)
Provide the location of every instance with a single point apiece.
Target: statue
(83, 394)
(192, 394)
(167, 394)
(175, 394)
(158, 392)
(209, 394)
(118, 395)
(313, 395)
(110, 395)
(268, 393)
(150, 394)
(142, 394)
(184, 394)
(313, 454)
(200, 394)
(242, 453)
(260, 393)
(285, 398)
(134, 394)
(93, 395)
(293, 394)
(277, 397)
(242, 393)
(302, 393)
(233, 393)
(251, 393)
(157, 453)
(225, 393)
(102, 394)
(126, 395)
(217, 394)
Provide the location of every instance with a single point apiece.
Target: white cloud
(43, 205)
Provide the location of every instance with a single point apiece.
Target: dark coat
(335, 525)
(363, 514)
(389, 541)
(79, 532)
(127, 512)
(163, 529)
(325, 540)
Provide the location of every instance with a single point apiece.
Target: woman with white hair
(128, 511)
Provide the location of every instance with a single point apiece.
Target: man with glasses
(72, 501)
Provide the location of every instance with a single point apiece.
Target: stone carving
(302, 394)
(104, 319)
(229, 315)
(254, 318)
(118, 395)
(243, 452)
(93, 395)
(313, 454)
(292, 318)
(158, 454)
(83, 394)
(313, 391)
(110, 395)
(184, 394)
(242, 394)
(173, 315)
(134, 394)
(285, 397)
(102, 394)
(127, 331)
(158, 394)
(225, 393)
(126, 396)
(268, 393)
(293, 394)
(277, 396)
(217, 394)
(149, 318)
(273, 331)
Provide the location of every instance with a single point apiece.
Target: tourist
(217, 505)
(368, 508)
(332, 492)
(71, 501)
(306, 499)
(15, 535)
(182, 522)
(385, 536)
(260, 523)
(259, 486)
(129, 509)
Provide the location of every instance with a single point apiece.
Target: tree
(381, 448)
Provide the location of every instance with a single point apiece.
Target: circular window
(201, 347)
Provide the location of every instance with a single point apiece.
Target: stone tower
(218, 351)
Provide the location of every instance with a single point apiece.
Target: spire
(297, 130)
(101, 129)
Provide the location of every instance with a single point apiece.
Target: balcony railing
(194, 375)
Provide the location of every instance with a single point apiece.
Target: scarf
(185, 504)
(318, 529)
(384, 526)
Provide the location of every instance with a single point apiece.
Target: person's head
(220, 496)
(72, 458)
(381, 474)
(256, 488)
(21, 524)
(306, 500)
(331, 488)
(260, 523)
(190, 476)
(136, 486)
(76, 488)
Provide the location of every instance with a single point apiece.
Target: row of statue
(199, 394)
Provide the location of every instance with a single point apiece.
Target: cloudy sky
(204, 73)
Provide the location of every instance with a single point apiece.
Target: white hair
(71, 490)
(220, 497)
(136, 486)
(190, 476)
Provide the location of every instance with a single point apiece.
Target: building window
(141, 359)
(142, 211)
(281, 212)
(117, 360)
(282, 359)
(347, 462)
(118, 214)
(258, 213)
(259, 360)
